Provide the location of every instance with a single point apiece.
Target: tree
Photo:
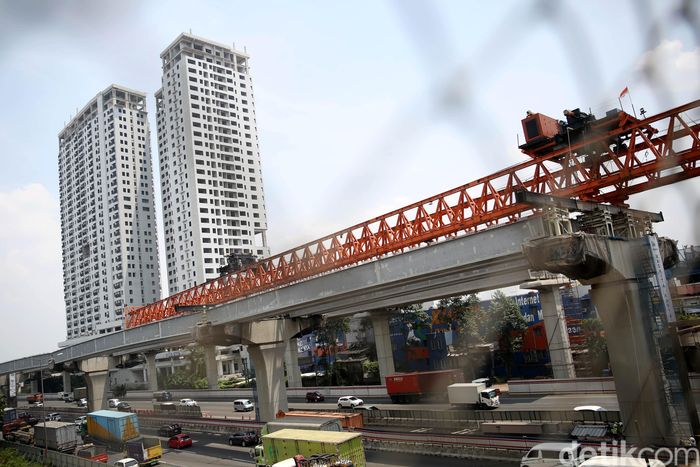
(598, 358)
(508, 325)
(327, 335)
(415, 324)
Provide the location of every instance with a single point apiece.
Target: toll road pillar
(382, 340)
(291, 362)
(268, 361)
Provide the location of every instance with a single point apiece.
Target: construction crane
(602, 160)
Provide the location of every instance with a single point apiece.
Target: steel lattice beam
(596, 169)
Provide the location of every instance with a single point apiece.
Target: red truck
(33, 398)
(412, 387)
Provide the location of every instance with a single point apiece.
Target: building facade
(108, 224)
(211, 180)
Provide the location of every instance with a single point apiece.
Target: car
(39, 404)
(169, 431)
(242, 405)
(180, 441)
(161, 396)
(314, 396)
(80, 420)
(68, 397)
(28, 418)
(53, 416)
(188, 403)
(589, 408)
(124, 407)
(113, 403)
(244, 438)
(349, 401)
(82, 402)
(367, 408)
(126, 462)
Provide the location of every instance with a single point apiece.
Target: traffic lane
(213, 449)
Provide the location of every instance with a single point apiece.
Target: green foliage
(184, 379)
(371, 371)
(596, 344)
(200, 383)
(413, 316)
(119, 390)
(3, 403)
(12, 458)
(507, 325)
(327, 335)
(467, 319)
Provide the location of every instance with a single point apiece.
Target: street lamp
(43, 405)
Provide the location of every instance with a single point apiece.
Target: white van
(611, 461)
(553, 455)
(242, 405)
(127, 462)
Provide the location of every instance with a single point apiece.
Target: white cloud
(31, 299)
(671, 64)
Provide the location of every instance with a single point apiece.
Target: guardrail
(53, 458)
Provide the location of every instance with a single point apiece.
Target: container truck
(347, 420)
(412, 387)
(80, 393)
(58, 436)
(473, 395)
(287, 443)
(146, 450)
(302, 423)
(113, 428)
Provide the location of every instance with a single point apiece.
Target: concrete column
(96, 370)
(555, 327)
(268, 361)
(291, 362)
(382, 340)
(152, 371)
(66, 381)
(35, 385)
(212, 369)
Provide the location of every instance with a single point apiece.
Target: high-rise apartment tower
(211, 182)
(108, 222)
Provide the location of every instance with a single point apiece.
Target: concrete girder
(623, 275)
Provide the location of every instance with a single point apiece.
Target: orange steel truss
(657, 151)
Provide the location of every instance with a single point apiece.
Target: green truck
(287, 443)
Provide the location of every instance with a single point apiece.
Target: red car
(180, 441)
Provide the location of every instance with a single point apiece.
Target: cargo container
(59, 436)
(146, 450)
(412, 387)
(80, 393)
(112, 427)
(287, 443)
(302, 423)
(347, 420)
(475, 395)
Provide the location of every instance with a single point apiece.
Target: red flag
(624, 91)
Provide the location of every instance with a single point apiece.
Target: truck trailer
(146, 450)
(412, 387)
(475, 395)
(113, 428)
(58, 436)
(287, 443)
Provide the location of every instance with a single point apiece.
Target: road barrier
(53, 458)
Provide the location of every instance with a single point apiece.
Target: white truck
(473, 394)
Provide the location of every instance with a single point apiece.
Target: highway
(210, 449)
(221, 408)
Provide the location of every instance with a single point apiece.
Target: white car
(82, 402)
(80, 420)
(242, 405)
(127, 462)
(113, 403)
(589, 408)
(188, 402)
(349, 401)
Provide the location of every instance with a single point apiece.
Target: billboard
(13, 385)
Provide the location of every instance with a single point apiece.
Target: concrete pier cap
(267, 341)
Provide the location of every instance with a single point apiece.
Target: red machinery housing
(411, 387)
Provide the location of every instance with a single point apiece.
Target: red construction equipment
(602, 160)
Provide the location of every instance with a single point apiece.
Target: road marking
(466, 431)
(421, 430)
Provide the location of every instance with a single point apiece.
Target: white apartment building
(211, 181)
(108, 223)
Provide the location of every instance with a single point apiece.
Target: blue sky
(362, 106)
